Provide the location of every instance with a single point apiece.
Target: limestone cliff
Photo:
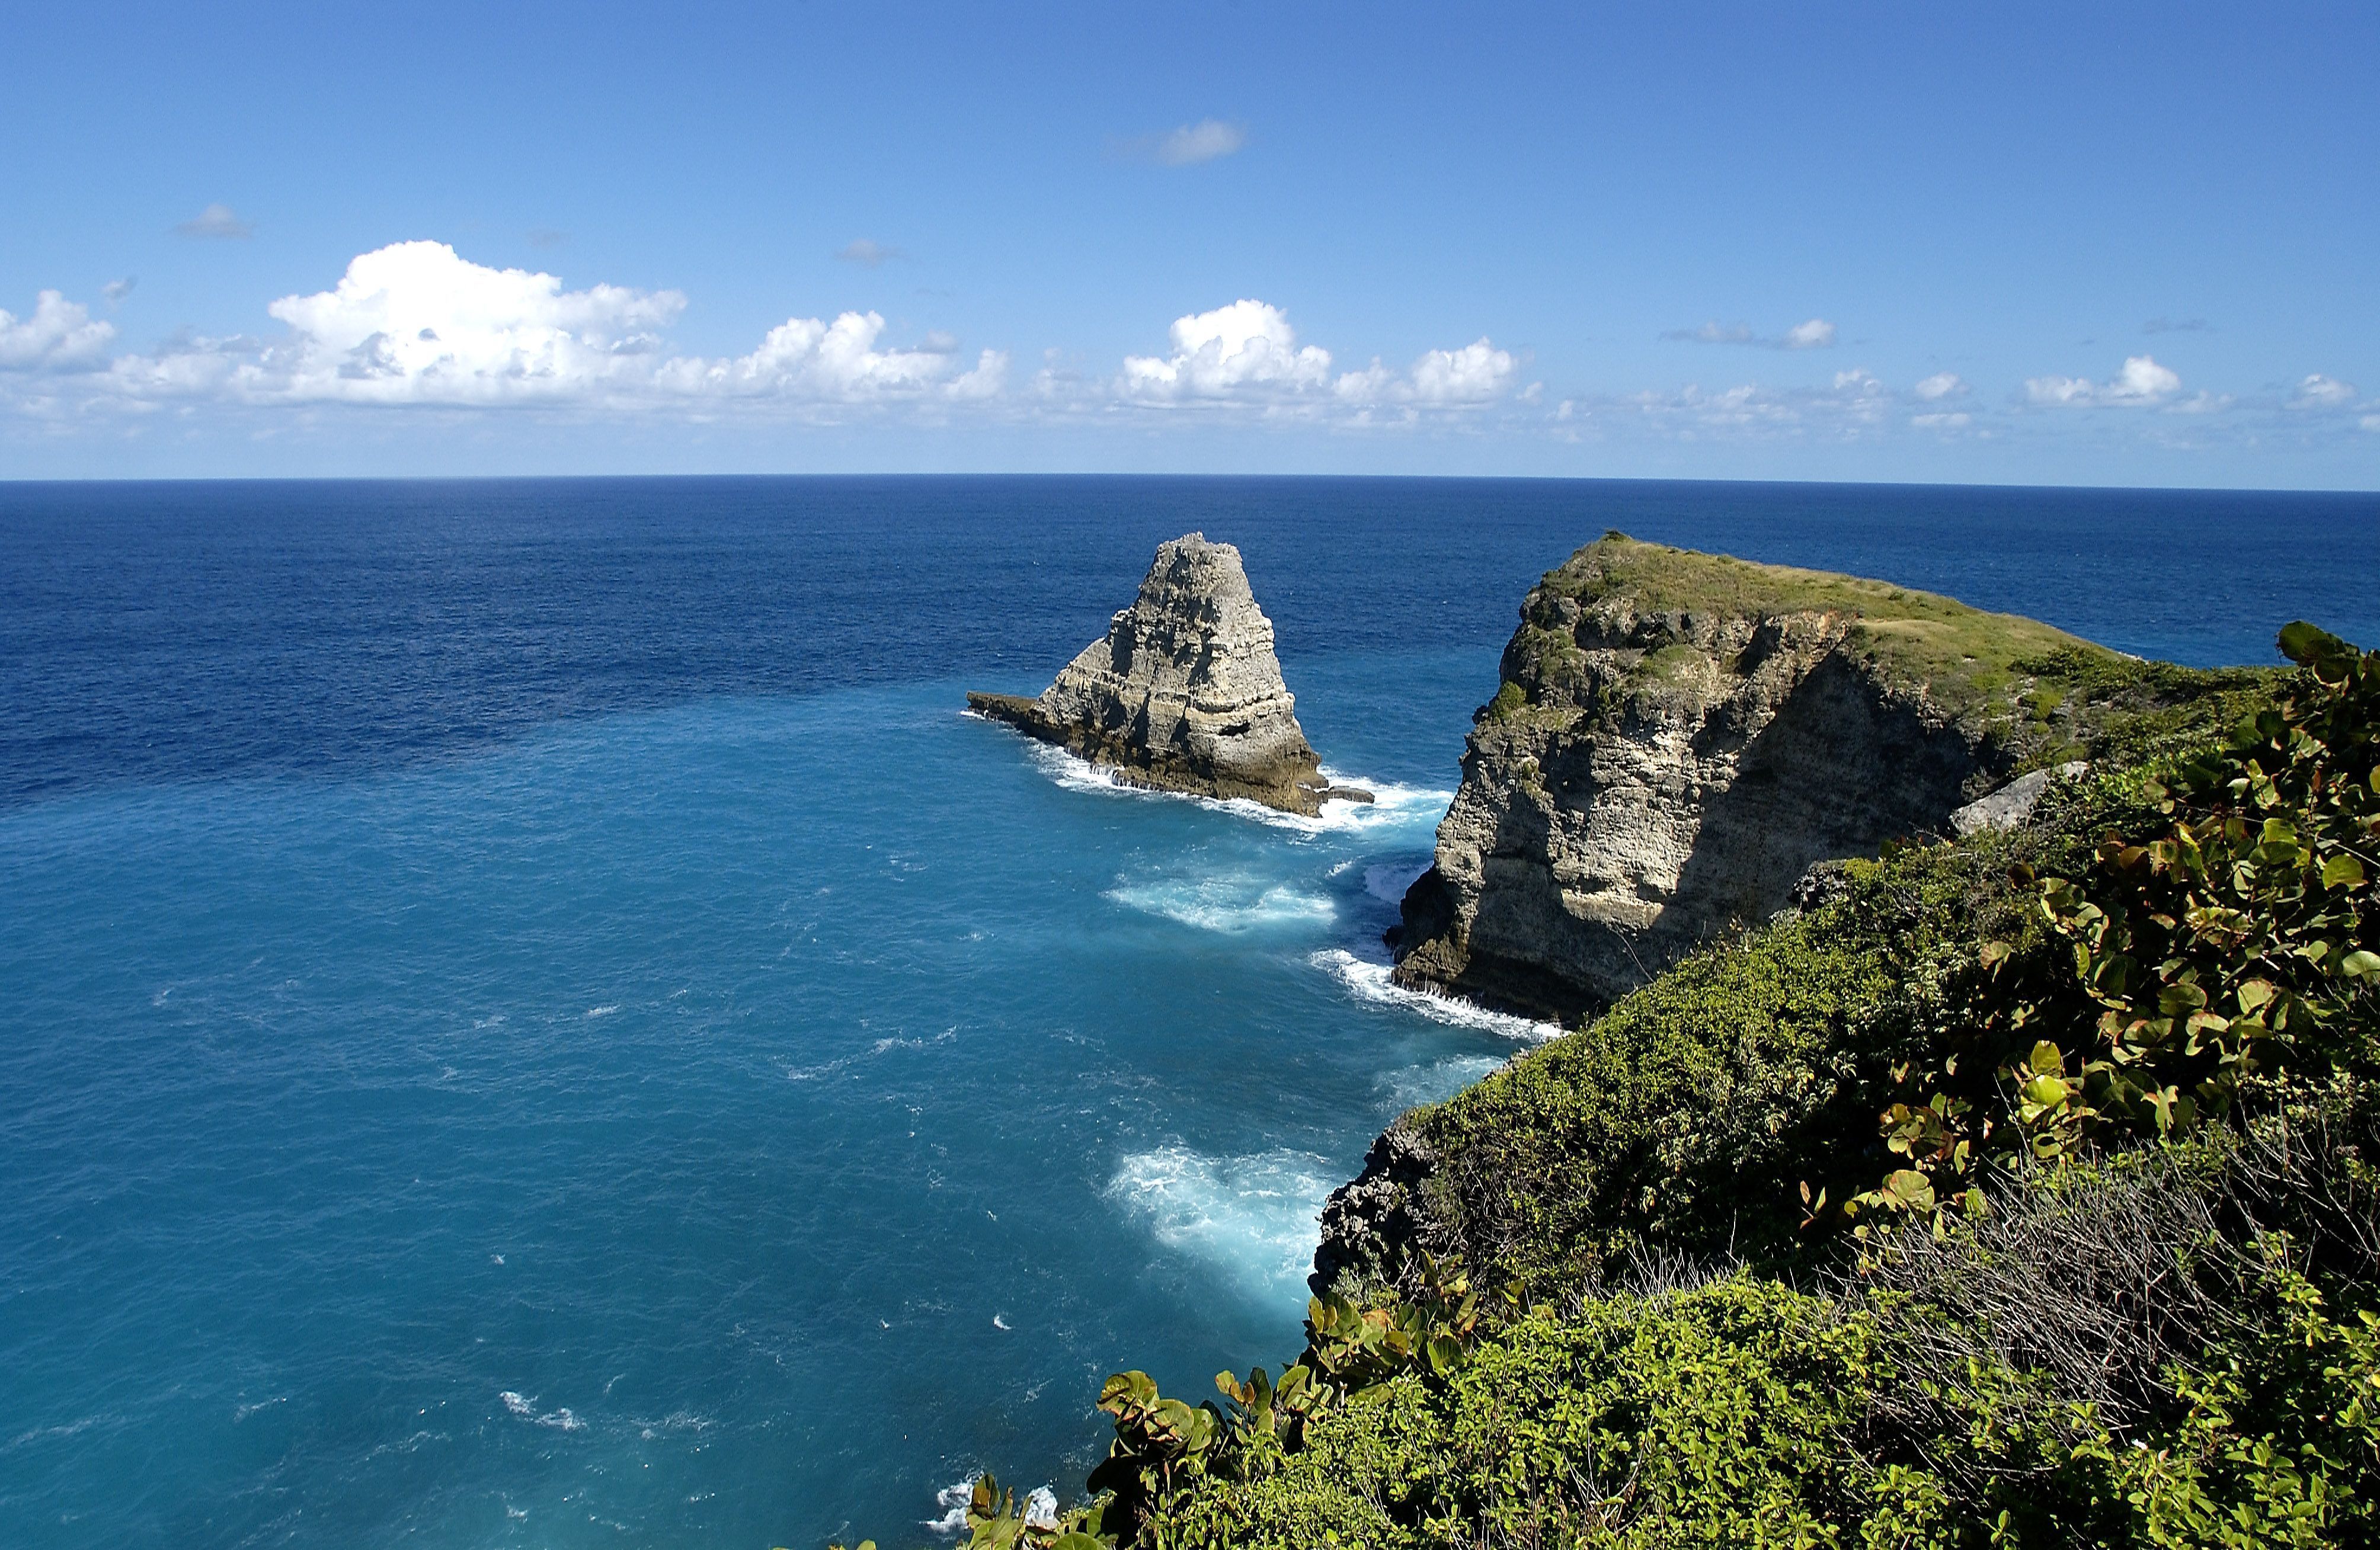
(1183, 693)
(1679, 737)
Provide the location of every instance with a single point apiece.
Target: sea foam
(1258, 1216)
(1369, 982)
(1393, 805)
(1041, 1507)
(560, 1418)
(1389, 880)
(1224, 902)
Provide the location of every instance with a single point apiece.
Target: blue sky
(2134, 245)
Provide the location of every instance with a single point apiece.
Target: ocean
(527, 1017)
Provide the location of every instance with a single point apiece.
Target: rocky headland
(1183, 693)
(1679, 737)
(1685, 748)
(1959, 1066)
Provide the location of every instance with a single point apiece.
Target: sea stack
(1185, 692)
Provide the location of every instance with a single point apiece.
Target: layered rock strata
(1185, 692)
(1679, 737)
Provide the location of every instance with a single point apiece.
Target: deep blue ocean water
(526, 1016)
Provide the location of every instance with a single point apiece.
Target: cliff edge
(1679, 737)
(1184, 691)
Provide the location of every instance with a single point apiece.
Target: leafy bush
(2228, 933)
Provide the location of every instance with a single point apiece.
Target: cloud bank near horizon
(417, 326)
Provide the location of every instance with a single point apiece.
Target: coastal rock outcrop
(1679, 737)
(2008, 808)
(1183, 693)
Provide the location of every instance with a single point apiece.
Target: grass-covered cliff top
(1962, 653)
(2058, 694)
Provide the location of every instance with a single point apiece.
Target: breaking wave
(1393, 805)
(1390, 880)
(1258, 1216)
(1370, 982)
(560, 1418)
(1040, 1506)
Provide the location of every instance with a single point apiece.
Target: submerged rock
(1679, 737)
(1184, 691)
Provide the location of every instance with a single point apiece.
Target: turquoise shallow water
(677, 1118)
(531, 1019)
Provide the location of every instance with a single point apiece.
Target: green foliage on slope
(2112, 1271)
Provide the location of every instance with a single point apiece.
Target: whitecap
(952, 1500)
(561, 1419)
(603, 1012)
(1258, 1216)
(1370, 982)
(1224, 902)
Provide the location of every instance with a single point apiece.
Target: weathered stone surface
(1678, 739)
(1185, 692)
(2012, 803)
(1370, 1221)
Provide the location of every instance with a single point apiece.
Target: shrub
(2228, 935)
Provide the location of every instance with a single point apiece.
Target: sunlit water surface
(530, 1018)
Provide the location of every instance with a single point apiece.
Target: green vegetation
(2024, 1190)
(1965, 655)
(2052, 695)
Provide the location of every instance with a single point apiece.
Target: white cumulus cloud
(805, 357)
(2142, 380)
(1815, 334)
(1941, 386)
(58, 335)
(1248, 354)
(1244, 349)
(416, 323)
(2318, 392)
(1473, 374)
(1203, 141)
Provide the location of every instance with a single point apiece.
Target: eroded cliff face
(1185, 692)
(1678, 738)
